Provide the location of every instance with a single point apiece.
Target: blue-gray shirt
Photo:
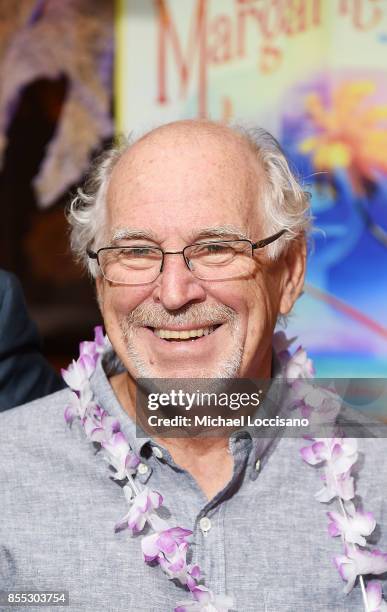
(265, 543)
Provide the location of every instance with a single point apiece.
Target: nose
(176, 286)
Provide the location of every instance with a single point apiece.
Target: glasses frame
(260, 244)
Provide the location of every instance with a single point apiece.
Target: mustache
(147, 315)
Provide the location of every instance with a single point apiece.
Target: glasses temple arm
(262, 243)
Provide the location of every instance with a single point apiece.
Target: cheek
(261, 307)
(119, 301)
(249, 300)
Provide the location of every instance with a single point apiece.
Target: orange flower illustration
(351, 134)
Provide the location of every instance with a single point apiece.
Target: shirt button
(157, 452)
(205, 524)
(257, 464)
(142, 468)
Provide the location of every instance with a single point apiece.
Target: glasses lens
(130, 265)
(220, 260)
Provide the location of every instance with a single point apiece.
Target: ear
(294, 263)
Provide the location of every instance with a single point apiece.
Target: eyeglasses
(210, 261)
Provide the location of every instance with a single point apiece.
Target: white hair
(286, 204)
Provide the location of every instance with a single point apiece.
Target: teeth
(183, 335)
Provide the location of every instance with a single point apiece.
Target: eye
(139, 251)
(134, 252)
(134, 257)
(216, 253)
(216, 248)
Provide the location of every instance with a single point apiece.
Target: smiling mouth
(184, 335)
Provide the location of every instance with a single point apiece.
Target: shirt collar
(138, 439)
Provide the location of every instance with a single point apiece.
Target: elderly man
(195, 235)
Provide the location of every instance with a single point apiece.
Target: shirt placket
(210, 525)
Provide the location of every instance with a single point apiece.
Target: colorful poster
(314, 73)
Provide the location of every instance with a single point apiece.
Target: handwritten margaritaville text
(253, 28)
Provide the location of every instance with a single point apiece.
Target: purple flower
(320, 402)
(343, 454)
(69, 414)
(281, 345)
(73, 409)
(141, 509)
(175, 567)
(299, 365)
(352, 527)
(339, 453)
(95, 348)
(356, 562)
(375, 597)
(175, 564)
(315, 453)
(169, 548)
(88, 348)
(98, 425)
(336, 485)
(143, 505)
(164, 543)
(120, 456)
(193, 575)
(205, 601)
(79, 372)
(99, 339)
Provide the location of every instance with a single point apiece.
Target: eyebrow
(126, 233)
(225, 232)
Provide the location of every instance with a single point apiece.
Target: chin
(140, 368)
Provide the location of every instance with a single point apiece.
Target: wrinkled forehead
(194, 178)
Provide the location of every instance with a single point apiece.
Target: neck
(124, 388)
(206, 459)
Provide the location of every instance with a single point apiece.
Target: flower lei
(337, 456)
(167, 545)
